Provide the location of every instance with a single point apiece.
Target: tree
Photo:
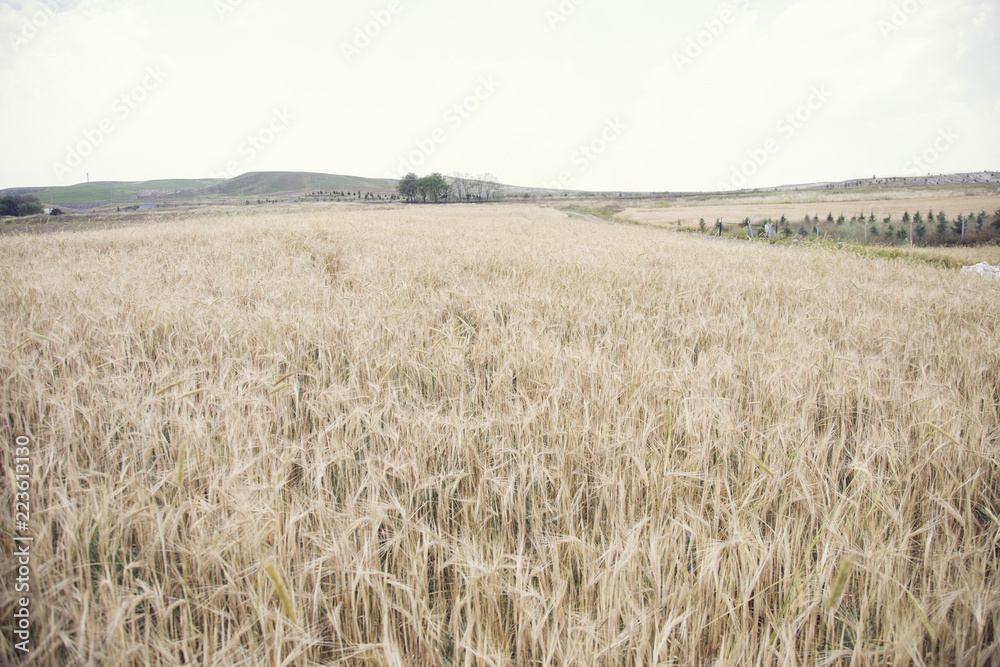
(29, 208)
(461, 185)
(942, 223)
(980, 221)
(921, 230)
(487, 187)
(958, 225)
(407, 187)
(996, 220)
(8, 206)
(701, 225)
(842, 219)
(15, 205)
(56, 211)
(829, 218)
(440, 190)
(467, 187)
(424, 188)
(433, 186)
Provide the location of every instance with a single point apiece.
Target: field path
(592, 218)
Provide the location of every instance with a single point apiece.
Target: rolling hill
(275, 183)
(255, 184)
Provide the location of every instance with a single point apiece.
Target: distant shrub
(16, 205)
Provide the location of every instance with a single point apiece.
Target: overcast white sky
(593, 93)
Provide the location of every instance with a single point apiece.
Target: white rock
(984, 269)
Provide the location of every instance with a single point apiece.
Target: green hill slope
(291, 182)
(256, 184)
(105, 191)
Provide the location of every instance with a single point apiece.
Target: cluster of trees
(433, 187)
(470, 188)
(934, 228)
(22, 205)
(455, 187)
(972, 227)
(337, 195)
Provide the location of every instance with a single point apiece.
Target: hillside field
(203, 191)
(495, 435)
(733, 209)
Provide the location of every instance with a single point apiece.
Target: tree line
(21, 205)
(456, 187)
(934, 228)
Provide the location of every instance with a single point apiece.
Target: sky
(634, 95)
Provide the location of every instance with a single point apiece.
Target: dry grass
(494, 435)
(963, 255)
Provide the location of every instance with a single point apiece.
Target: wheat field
(495, 436)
